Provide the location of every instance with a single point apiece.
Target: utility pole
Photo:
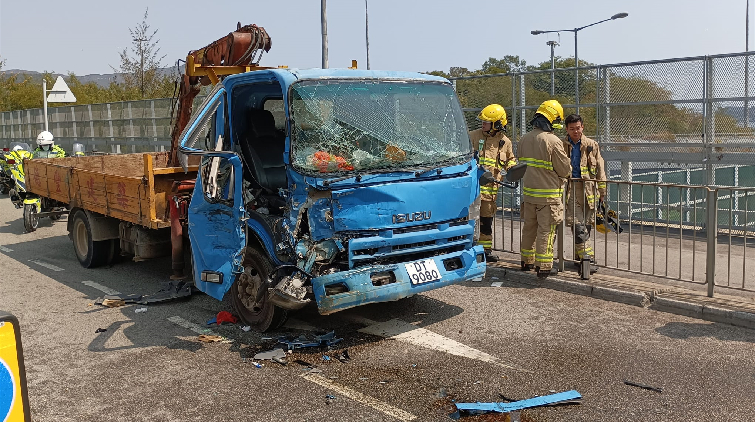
(324, 23)
(367, 33)
(141, 66)
(553, 45)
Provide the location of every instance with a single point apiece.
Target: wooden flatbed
(129, 187)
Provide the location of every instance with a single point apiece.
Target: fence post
(709, 121)
(712, 232)
(560, 233)
(522, 101)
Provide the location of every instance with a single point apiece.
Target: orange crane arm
(237, 52)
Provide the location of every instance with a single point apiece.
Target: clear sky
(84, 36)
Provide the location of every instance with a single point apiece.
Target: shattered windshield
(344, 126)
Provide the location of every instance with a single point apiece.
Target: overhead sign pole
(60, 93)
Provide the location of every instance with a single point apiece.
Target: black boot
(489, 257)
(527, 267)
(546, 273)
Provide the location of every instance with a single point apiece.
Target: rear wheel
(31, 219)
(89, 253)
(261, 316)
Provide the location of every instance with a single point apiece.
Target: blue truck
(344, 186)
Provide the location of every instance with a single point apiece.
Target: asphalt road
(469, 342)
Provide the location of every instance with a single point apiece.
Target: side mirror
(15, 405)
(487, 178)
(516, 173)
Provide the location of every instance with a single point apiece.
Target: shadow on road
(724, 332)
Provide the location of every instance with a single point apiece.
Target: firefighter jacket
(591, 166)
(55, 152)
(547, 167)
(495, 153)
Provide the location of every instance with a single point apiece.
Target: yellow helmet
(551, 110)
(494, 113)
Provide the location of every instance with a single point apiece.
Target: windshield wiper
(358, 177)
(437, 170)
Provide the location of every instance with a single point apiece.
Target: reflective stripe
(485, 243)
(488, 190)
(542, 193)
(528, 252)
(601, 185)
(532, 162)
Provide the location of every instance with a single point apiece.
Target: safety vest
(547, 167)
(495, 153)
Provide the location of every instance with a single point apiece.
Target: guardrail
(687, 233)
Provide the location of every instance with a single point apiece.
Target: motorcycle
(6, 179)
(34, 206)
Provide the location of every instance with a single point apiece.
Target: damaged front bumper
(360, 289)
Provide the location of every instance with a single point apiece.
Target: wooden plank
(36, 175)
(174, 170)
(150, 177)
(129, 187)
(118, 202)
(125, 216)
(92, 192)
(58, 180)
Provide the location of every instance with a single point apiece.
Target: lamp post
(367, 33)
(576, 53)
(553, 45)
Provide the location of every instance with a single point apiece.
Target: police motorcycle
(34, 206)
(9, 153)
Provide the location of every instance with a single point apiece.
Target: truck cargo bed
(129, 187)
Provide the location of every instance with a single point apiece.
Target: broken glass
(348, 126)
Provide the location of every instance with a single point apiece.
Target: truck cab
(342, 187)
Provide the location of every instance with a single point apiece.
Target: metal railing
(682, 232)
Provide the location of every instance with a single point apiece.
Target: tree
(140, 68)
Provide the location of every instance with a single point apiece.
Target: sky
(85, 36)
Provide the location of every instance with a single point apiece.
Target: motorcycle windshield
(349, 126)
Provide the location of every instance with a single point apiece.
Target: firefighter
(587, 163)
(495, 153)
(46, 147)
(542, 188)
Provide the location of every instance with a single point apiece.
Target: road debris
(497, 284)
(140, 310)
(301, 342)
(100, 330)
(221, 317)
(325, 357)
(112, 303)
(246, 328)
(502, 407)
(207, 338)
(170, 290)
(271, 355)
(344, 356)
(643, 386)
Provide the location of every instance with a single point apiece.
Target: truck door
(216, 211)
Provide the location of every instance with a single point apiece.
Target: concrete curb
(645, 298)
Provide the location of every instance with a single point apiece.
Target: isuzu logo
(412, 216)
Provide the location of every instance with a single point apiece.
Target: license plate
(423, 271)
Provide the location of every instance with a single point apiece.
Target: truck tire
(242, 295)
(90, 254)
(31, 219)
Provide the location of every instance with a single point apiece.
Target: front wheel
(31, 219)
(261, 316)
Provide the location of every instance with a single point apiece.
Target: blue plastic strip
(521, 404)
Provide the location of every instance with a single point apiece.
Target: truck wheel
(89, 253)
(31, 219)
(244, 292)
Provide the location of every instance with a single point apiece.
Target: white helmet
(44, 138)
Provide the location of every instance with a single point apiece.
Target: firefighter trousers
(487, 212)
(539, 233)
(580, 216)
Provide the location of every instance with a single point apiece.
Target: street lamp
(553, 45)
(576, 55)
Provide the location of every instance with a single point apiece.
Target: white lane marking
(374, 403)
(190, 325)
(100, 287)
(408, 333)
(4, 249)
(46, 265)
